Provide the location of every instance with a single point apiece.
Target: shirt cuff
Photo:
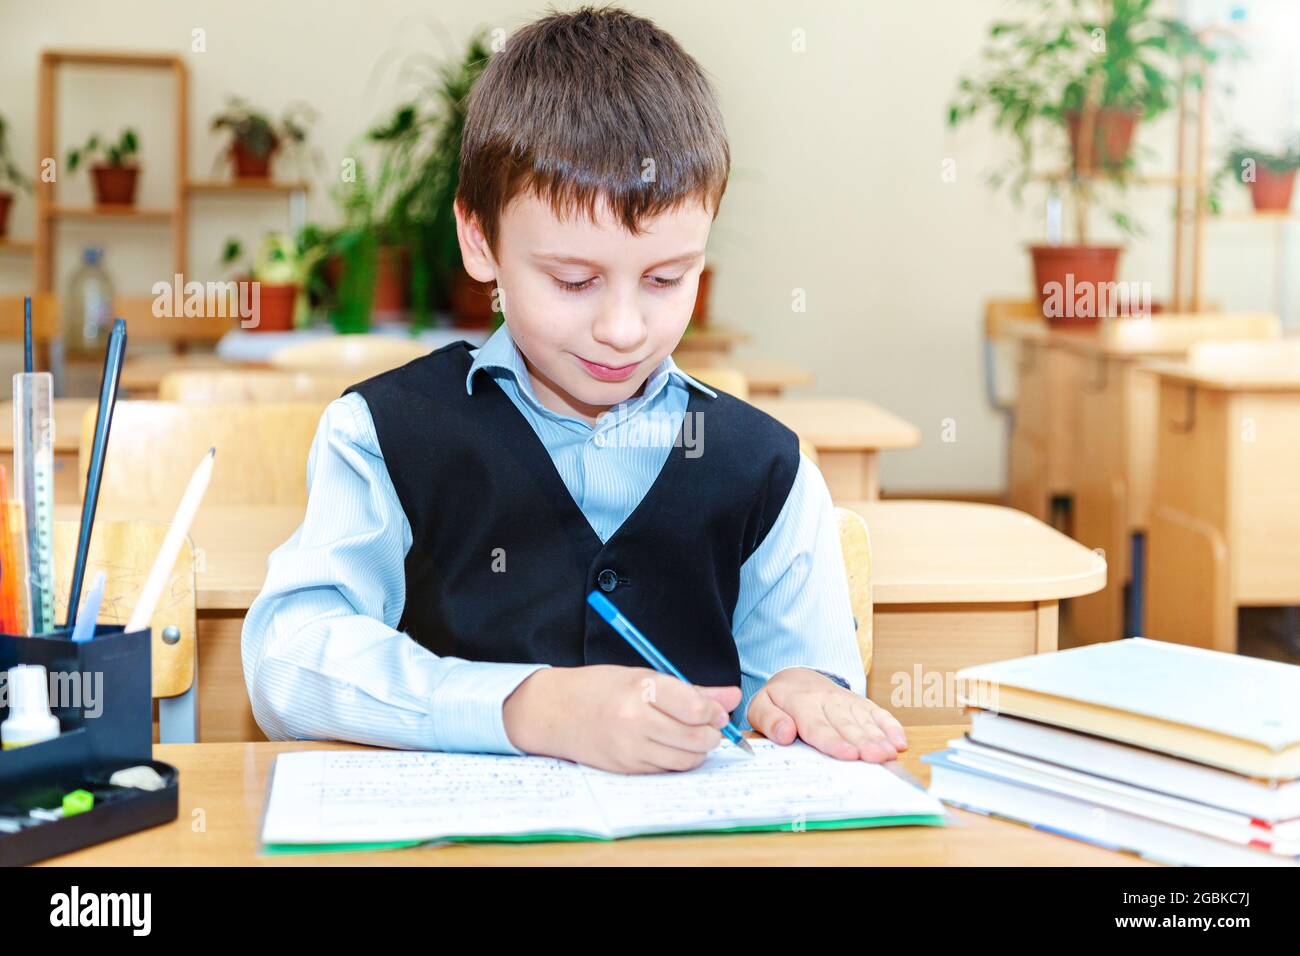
(468, 712)
(827, 674)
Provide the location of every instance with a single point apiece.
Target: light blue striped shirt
(322, 655)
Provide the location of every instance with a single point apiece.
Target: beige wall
(837, 187)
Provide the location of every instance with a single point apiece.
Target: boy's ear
(474, 251)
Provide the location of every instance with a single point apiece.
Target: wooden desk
(1116, 438)
(849, 434)
(141, 376)
(701, 345)
(225, 785)
(68, 413)
(1225, 524)
(956, 584)
(1058, 368)
(769, 379)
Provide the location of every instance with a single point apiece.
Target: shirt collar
(500, 352)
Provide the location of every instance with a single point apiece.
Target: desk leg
(850, 475)
(1047, 622)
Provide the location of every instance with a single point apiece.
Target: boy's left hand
(798, 702)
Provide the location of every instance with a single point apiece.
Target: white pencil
(171, 546)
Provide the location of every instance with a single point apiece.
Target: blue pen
(627, 630)
(84, 629)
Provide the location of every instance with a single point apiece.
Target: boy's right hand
(622, 719)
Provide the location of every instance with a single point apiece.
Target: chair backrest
(727, 379)
(45, 317)
(252, 385)
(124, 551)
(362, 355)
(855, 545)
(154, 447)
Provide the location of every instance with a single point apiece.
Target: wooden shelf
(18, 247)
(1141, 179)
(218, 186)
(1253, 215)
(136, 213)
(161, 61)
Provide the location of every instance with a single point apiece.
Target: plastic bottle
(89, 313)
(30, 720)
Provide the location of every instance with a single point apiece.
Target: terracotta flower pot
(392, 283)
(115, 185)
(700, 316)
(6, 200)
(1112, 137)
(275, 307)
(1067, 279)
(1271, 191)
(471, 302)
(248, 164)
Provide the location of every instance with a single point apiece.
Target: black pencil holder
(101, 693)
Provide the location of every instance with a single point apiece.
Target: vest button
(607, 580)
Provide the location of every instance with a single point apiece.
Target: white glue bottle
(30, 720)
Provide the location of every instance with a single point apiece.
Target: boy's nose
(620, 327)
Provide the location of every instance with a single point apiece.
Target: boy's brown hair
(592, 105)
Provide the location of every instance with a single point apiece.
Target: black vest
(502, 557)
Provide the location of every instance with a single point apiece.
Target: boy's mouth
(607, 373)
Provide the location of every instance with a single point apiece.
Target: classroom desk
(225, 785)
(1114, 445)
(141, 376)
(768, 379)
(68, 413)
(1225, 526)
(849, 434)
(956, 584)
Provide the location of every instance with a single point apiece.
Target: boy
(462, 507)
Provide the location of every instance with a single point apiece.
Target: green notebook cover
(861, 823)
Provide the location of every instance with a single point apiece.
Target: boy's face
(592, 308)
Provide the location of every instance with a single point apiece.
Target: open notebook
(345, 799)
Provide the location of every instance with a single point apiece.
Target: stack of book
(1175, 753)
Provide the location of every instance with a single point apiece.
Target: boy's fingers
(728, 697)
(687, 704)
(664, 757)
(697, 738)
(853, 721)
(770, 720)
(890, 725)
(816, 730)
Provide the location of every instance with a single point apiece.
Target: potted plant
(255, 138)
(10, 174)
(279, 270)
(115, 178)
(422, 175)
(1081, 74)
(1270, 176)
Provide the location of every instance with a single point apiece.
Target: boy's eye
(574, 286)
(660, 282)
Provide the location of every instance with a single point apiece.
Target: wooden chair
(358, 355)
(252, 385)
(855, 545)
(124, 551)
(154, 447)
(727, 379)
